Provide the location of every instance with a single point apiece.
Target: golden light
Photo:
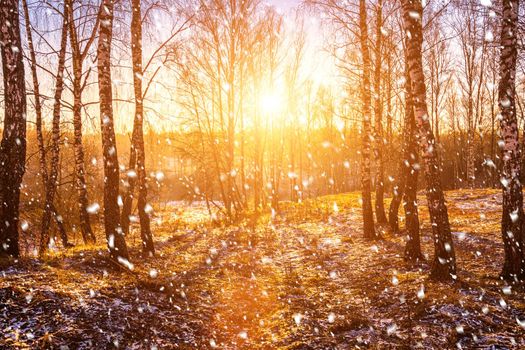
(272, 103)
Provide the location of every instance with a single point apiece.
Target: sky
(285, 4)
(316, 66)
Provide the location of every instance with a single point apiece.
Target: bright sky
(319, 64)
(285, 4)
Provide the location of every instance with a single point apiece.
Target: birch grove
(136, 105)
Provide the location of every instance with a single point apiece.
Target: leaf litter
(304, 279)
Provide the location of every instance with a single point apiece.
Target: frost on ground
(302, 280)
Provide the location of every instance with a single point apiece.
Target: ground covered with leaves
(303, 279)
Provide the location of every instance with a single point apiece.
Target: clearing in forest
(304, 279)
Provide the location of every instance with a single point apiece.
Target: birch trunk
(398, 192)
(512, 218)
(404, 165)
(368, 215)
(413, 244)
(80, 177)
(130, 187)
(389, 83)
(52, 181)
(38, 112)
(13, 145)
(444, 264)
(378, 113)
(471, 174)
(137, 142)
(115, 237)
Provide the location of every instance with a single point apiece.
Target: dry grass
(304, 279)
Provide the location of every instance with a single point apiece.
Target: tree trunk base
(441, 273)
(414, 257)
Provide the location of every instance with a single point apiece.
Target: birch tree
(52, 180)
(368, 216)
(13, 145)
(33, 64)
(444, 264)
(115, 237)
(378, 114)
(137, 154)
(410, 160)
(80, 52)
(512, 216)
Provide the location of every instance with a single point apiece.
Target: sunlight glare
(271, 103)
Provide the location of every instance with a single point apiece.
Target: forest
(262, 174)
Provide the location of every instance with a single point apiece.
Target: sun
(272, 103)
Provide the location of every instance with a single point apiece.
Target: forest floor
(302, 280)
